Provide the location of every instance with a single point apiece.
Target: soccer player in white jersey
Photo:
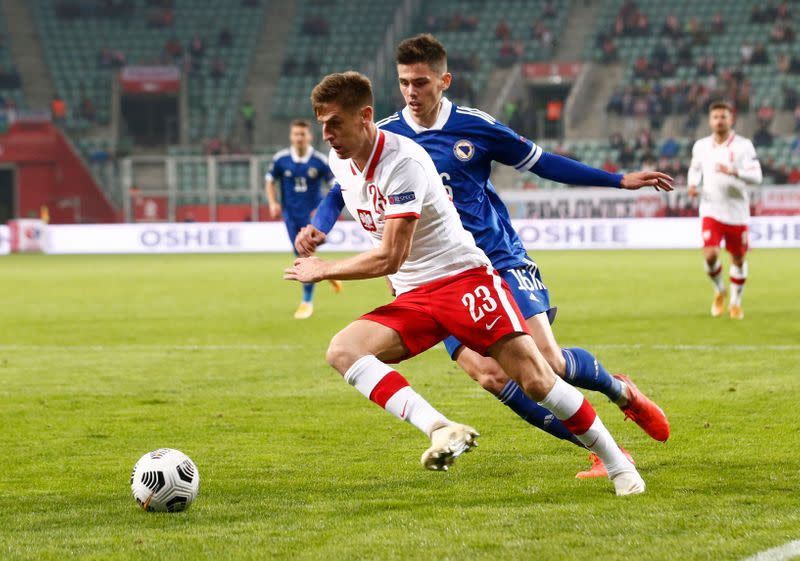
(723, 165)
(444, 283)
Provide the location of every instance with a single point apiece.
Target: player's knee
(340, 355)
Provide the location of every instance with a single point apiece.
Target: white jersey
(724, 197)
(400, 180)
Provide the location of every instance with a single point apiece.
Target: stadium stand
(84, 42)
(11, 94)
(322, 40)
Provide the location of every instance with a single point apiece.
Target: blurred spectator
(58, 109)
(669, 149)
(763, 137)
(672, 27)
(197, 47)
(217, 68)
(746, 52)
(794, 176)
(616, 141)
(627, 156)
(791, 99)
(104, 59)
(760, 55)
(161, 18)
(549, 9)
(214, 146)
(118, 58)
(782, 32)
(87, 109)
(707, 66)
(696, 30)
(610, 166)
(797, 120)
(717, 23)
(644, 140)
(225, 37)
(507, 55)
(173, 48)
(684, 53)
(248, 112)
(502, 30)
(765, 115)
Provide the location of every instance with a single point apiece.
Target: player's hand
(306, 269)
(308, 239)
(692, 191)
(639, 179)
(275, 210)
(722, 168)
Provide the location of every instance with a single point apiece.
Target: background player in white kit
(445, 285)
(725, 163)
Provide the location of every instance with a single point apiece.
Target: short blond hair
(351, 90)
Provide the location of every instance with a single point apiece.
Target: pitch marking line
(783, 552)
(268, 347)
(103, 348)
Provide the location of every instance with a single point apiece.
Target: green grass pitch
(105, 358)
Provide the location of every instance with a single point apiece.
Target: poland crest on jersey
(464, 150)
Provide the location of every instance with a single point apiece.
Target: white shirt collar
(444, 115)
(296, 157)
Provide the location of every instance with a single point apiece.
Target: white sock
(715, 274)
(386, 387)
(577, 414)
(738, 278)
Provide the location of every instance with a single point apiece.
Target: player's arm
(272, 198)
(269, 189)
(385, 259)
(328, 211)
(507, 147)
(747, 167)
(568, 171)
(695, 173)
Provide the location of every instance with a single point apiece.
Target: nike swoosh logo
(490, 325)
(403, 414)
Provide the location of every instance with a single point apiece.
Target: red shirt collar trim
(372, 163)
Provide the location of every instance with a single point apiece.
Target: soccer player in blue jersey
(300, 171)
(463, 142)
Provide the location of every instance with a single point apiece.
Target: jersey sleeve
(512, 149)
(748, 167)
(695, 174)
(406, 190)
(273, 169)
(328, 210)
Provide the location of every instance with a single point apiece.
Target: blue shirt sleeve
(328, 210)
(509, 148)
(564, 170)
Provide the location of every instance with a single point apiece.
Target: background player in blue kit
(300, 170)
(463, 142)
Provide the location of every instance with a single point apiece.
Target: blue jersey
(300, 180)
(463, 143)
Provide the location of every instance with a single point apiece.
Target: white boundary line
(104, 348)
(271, 347)
(781, 553)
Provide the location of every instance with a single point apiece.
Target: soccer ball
(165, 480)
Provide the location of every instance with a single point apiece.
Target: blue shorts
(293, 226)
(530, 294)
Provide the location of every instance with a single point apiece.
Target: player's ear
(447, 78)
(366, 114)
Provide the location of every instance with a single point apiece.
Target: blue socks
(584, 371)
(531, 412)
(308, 291)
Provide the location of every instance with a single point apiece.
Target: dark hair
(352, 90)
(720, 104)
(423, 48)
(302, 123)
